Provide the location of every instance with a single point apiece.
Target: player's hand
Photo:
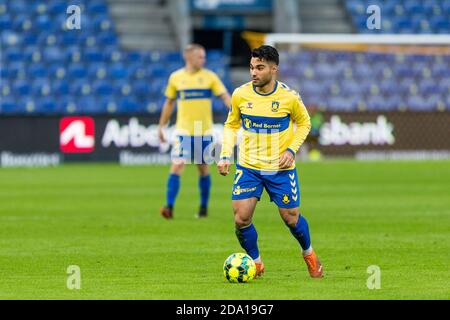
(287, 159)
(161, 135)
(224, 167)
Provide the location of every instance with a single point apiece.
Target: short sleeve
(171, 90)
(217, 86)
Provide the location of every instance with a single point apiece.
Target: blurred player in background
(191, 88)
(268, 110)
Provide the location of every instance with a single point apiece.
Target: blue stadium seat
(107, 38)
(14, 54)
(118, 71)
(392, 102)
(157, 71)
(77, 70)
(445, 4)
(97, 70)
(21, 88)
(56, 6)
(8, 105)
(18, 6)
(44, 22)
(97, 7)
(6, 22)
(101, 23)
(141, 88)
(57, 71)
(61, 87)
(80, 87)
(45, 105)
(37, 70)
(53, 54)
(32, 54)
(41, 87)
(103, 88)
(30, 39)
(88, 105)
(93, 55)
(107, 105)
(418, 103)
(440, 22)
(16, 70)
(129, 105)
(342, 104)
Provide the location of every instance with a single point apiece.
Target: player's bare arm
(167, 110)
(226, 99)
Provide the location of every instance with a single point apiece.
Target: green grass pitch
(105, 219)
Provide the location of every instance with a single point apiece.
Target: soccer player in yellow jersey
(191, 88)
(267, 110)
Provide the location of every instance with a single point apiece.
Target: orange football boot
(259, 269)
(166, 212)
(314, 266)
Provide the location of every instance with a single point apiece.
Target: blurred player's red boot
(259, 269)
(166, 212)
(314, 266)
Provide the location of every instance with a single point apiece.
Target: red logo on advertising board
(77, 134)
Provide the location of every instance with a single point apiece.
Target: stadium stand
(377, 81)
(403, 16)
(47, 69)
(374, 81)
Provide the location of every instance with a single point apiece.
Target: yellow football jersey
(268, 126)
(193, 92)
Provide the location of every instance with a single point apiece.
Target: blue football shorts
(194, 149)
(282, 186)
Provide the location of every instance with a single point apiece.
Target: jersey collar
(267, 94)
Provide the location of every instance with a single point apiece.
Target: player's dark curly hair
(266, 53)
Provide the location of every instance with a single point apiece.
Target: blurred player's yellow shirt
(194, 93)
(268, 126)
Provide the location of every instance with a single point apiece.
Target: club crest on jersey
(247, 123)
(286, 199)
(275, 106)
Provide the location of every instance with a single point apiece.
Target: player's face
(196, 58)
(262, 72)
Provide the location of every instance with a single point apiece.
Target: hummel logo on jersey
(249, 105)
(76, 134)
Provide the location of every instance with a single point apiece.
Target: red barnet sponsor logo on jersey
(77, 134)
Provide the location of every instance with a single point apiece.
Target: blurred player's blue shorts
(194, 149)
(282, 186)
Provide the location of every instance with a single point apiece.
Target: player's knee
(240, 219)
(177, 168)
(203, 169)
(241, 222)
(290, 216)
